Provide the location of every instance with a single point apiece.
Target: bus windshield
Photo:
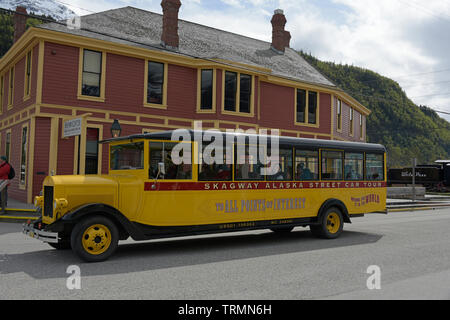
(127, 156)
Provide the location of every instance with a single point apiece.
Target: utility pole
(414, 164)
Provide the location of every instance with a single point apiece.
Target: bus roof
(283, 141)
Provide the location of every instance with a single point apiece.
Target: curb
(417, 209)
(14, 215)
(16, 219)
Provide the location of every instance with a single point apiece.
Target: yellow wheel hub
(333, 222)
(96, 239)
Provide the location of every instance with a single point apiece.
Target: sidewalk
(18, 211)
(431, 202)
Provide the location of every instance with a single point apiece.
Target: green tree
(7, 27)
(7, 34)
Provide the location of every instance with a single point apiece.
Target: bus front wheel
(94, 239)
(330, 226)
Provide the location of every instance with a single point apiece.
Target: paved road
(410, 248)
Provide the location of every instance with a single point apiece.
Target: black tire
(95, 238)
(282, 230)
(331, 224)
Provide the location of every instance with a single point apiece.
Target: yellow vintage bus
(148, 195)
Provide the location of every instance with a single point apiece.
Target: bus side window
(127, 156)
(156, 156)
(247, 166)
(332, 165)
(162, 152)
(220, 170)
(284, 171)
(354, 166)
(374, 167)
(306, 165)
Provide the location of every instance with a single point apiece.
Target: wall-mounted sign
(72, 127)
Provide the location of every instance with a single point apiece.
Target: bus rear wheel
(330, 226)
(95, 239)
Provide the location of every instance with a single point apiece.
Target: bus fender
(334, 203)
(126, 228)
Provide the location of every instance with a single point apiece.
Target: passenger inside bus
(351, 174)
(214, 172)
(161, 152)
(303, 173)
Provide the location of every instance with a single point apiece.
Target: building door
(92, 138)
(92, 152)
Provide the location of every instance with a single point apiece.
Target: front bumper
(45, 236)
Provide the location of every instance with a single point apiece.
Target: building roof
(143, 29)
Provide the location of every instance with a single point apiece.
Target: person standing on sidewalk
(5, 168)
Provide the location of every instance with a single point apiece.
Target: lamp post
(116, 130)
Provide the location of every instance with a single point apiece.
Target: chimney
(287, 39)
(280, 37)
(169, 37)
(20, 22)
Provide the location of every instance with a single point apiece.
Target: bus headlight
(59, 204)
(38, 201)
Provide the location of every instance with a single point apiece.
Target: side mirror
(161, 168)
(161, 171)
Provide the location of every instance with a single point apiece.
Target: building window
(27, 75)
(155, 84)
(312, 107)
(306, 107)
(230, 91)
(207, 85)
(238, 93)
(23, 157)
(245, 93)
(11, 88)
(351, 121)
(8, 145)
(339, 114)
(301, 105)
(332, 165)
(92, 73)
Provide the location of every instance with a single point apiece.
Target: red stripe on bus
(258, 185)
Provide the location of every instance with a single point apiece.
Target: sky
(405, 40)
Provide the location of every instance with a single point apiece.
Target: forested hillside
(407, 130)
(7, 29)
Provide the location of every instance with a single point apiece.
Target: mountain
(56, 10)
(407, 130)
